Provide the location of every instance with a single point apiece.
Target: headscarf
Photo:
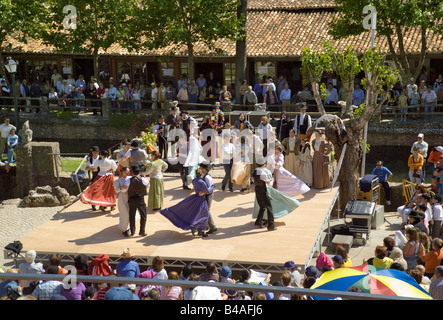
(324, 261)
(100, 266)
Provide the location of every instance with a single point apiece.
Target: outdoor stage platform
(237, 243)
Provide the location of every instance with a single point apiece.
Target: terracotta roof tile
(273, 33)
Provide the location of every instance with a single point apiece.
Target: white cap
(420, 135)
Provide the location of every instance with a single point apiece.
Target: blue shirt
(333, 96)
(128, 268)
(285, 94)
(357, 97)
(381, 173)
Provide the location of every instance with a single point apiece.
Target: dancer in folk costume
(291, 146)
(270, 203)
(305, 171)
(192, 213)
(121, 188)
(156, 190)
(102, 192)
(287, 182)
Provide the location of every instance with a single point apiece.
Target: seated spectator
(76, 293)
(436, 287)
(340, 250)
(127, 267)
(225, 274)
(55, 259)
(152, 294)
(158, 265)
(81, 264)
(397, 256)
(381, 259)
(417, 275)
(188, 292)
(337, 261)
(100, 266)
(433, 258)
(171, 292)
(211, 273)
(286, 280)
(290, 267)
(30, 266)
(186, 272)
(10, 285)
(49, 288)
(120, 293)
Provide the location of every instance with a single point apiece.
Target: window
(167, 73)
(265, 69)
(184, 69)
(229, 73)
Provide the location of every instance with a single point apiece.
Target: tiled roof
(274, 33)
(289, 4)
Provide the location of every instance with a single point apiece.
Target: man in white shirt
(55, 78)
(5, 129)
(423, 150)
(285, 97)
(154, 93)
(437, 216)
(228, 150)
(429, 99)
(302, 122)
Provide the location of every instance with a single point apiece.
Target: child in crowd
(12, 143)
(136, 98)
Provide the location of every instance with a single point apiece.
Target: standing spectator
(281, 84)
(414, 98)
(415, 164)
(433, 258)
(423, 150)
(112, 94)
(436, 287)
(129, 97)
(25, 92)
(161, 95)
(243, 89)
(332, 98)
(429, 100)
(403, 105)
(5, 130)
(285, 97)
(383, 174)
(358, 95)
(47, 289)
(193, 94)
(127, 267)
(80, 83)
(410, 87)
(56, 77)
(433, 162)
(183, 97)
(437, 216)
(412, 246)
(250, 98)
(201, 82)
(12, 143)
(153, 97)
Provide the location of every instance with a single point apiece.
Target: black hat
(205, 165)
(160, 116)
(135, 143)
(95, 148)
(415, 214)
(184, 111)
(135, 169)
(437, 197)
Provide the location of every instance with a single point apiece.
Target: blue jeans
(11, 158)
(429, 108)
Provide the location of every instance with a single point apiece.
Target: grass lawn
(71, 164)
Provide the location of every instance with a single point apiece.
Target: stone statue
(25, 133)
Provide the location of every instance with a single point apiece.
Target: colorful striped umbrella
(371, 280)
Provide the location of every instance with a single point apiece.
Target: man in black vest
(160, 129)
(302, 121)
(283, 126)
(262, 177)
(137, 191)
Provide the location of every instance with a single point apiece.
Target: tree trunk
(95, 63)
(240, 53)
(317, 96)
(191, 66)
(349, 171)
